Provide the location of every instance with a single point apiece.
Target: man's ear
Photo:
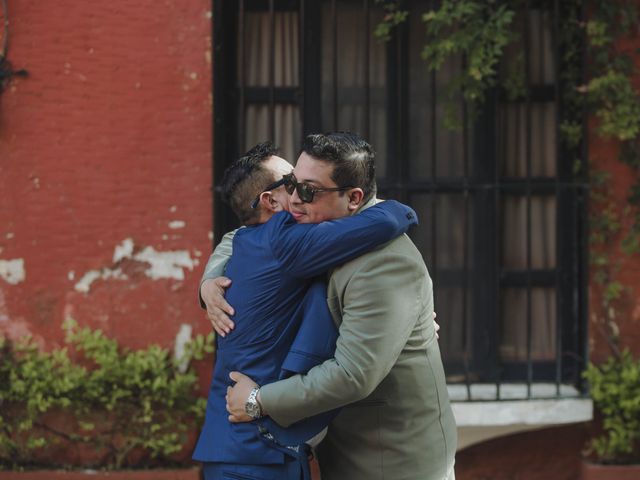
(268, 203)
(355, 197)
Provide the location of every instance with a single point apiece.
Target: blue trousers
(289, 470)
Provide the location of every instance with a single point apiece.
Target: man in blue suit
(282, 323)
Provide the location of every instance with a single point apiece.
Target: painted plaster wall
(105, 168)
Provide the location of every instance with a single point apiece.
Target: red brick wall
(109, 138)
(604, 157)
(550, 454)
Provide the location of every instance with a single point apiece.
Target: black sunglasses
(271, 186)
(306, 191)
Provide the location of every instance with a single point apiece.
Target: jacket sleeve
(315, 342)
(307, 250)
(316, 338)
(218, 261)
(382, 303)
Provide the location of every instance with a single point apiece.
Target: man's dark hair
(246, 178)
(351, 156)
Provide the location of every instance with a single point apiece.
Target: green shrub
(126, 407)
(615, 389)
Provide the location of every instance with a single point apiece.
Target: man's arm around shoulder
(382, 302)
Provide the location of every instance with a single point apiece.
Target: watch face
(252, 409)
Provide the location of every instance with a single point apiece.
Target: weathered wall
(549, 454)
(105, 168)
(626, 323)
(604, 157)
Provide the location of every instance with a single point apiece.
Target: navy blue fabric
(289, 470)
(281, 326)
(315, 342)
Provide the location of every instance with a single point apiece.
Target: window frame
(481, 185)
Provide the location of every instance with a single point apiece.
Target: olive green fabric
(397, 423)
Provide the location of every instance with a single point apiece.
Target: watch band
(253, 407)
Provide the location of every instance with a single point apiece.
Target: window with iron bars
(502, 226)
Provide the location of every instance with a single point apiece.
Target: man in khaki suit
(397, 422)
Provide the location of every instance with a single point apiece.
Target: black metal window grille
(502, 216)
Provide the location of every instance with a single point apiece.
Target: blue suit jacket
(272, 267)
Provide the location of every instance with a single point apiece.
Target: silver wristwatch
(252, 407)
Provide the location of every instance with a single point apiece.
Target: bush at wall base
(615, 390)
(94, 404)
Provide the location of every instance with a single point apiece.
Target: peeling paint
(173, 208)
(71, 275)
(158, 265)
(182, 338)
(165, 264)
(84, 285)
(12, 271)
(123, 251)
(9, 235)
(175, 224)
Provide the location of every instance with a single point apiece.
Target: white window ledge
(484, 417)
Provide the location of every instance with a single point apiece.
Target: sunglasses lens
(289, 187)
(289, 183)
(305, 191)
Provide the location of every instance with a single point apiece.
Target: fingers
(227, 406)
(218, 310)
(236, 377)
(223, 283)
(219, 302)
(236, 397)
(212, 292)
(218, 330)
(220, 322)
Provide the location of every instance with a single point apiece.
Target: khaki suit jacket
(397, 423)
